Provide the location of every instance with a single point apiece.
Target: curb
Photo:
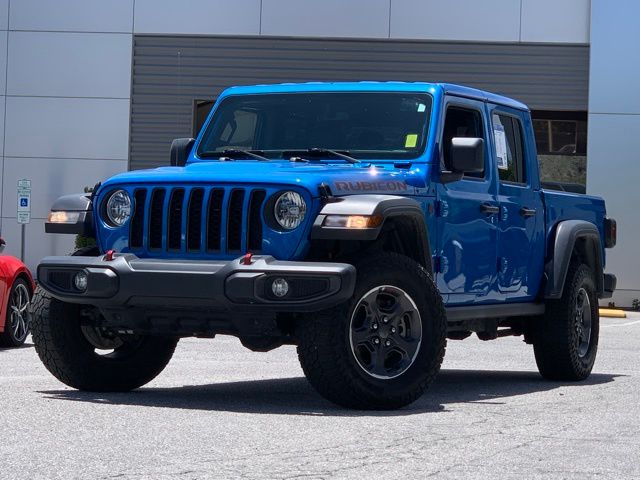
(612, 313)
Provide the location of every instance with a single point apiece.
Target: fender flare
(80, 204)
(567, 234)
(388, 207)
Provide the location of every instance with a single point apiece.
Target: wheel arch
(16, 270)
(401, 229)
(28, 280)
(573, 239)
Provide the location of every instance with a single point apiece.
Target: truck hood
(342, 179)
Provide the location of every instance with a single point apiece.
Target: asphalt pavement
(220, 411)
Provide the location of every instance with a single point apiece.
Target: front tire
(88, 358)
(566, 338)
(382, 348)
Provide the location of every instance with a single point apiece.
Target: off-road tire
(68, 355)
(325, 351)
(556, 341)
(8, 338)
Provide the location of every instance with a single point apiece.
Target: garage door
(171, 72)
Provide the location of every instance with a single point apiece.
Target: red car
(16, 290)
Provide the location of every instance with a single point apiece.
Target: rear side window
(461, 122)
(509, 149)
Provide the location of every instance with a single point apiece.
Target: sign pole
(22, 241)
(24, 211)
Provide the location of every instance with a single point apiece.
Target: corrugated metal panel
(170, 72)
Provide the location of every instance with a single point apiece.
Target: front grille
(63, 279)
(207, 220)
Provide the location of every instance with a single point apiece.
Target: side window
(461, 122)
(509, 150)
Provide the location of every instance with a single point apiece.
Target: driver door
(467, 213)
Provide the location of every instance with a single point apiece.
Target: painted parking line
(620, 324)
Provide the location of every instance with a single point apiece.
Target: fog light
(80, 281)
(280, 287)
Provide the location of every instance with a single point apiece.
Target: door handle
(527, 212)
(489, 209)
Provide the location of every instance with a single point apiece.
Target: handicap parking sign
(24, 201)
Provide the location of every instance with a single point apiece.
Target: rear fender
(579, 237)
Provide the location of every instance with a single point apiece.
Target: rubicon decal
(385, 186)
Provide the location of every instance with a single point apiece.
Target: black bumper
(610, 282)
(226, 287)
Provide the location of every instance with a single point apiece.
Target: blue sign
(24, 202)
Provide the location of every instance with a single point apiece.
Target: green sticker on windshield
(411, 140)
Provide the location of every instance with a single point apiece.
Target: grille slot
(197, 219)
(194, 219)
(137, 220)
(155, 218)
(174, 229)
(254, 233)
(234, 220)
(214, 219)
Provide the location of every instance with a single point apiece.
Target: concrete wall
(65, 71)
(65, 108)
(614, 123)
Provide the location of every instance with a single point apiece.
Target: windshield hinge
(442, 208)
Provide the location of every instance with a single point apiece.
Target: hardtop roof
(447, 88)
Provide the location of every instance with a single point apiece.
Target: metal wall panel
(170, 72)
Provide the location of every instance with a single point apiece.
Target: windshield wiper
(233, 153)
(315, 152)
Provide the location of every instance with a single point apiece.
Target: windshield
(375, 125)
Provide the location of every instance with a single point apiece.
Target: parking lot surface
(220, 411)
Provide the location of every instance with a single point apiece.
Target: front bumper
(130, 282)
(610, 282)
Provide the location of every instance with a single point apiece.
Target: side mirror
(2, 244)
(467, 155)
(180, 150)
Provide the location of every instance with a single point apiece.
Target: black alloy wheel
(386, 332)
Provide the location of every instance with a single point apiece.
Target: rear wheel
(566, 339)
(88, 357)
(381, 349)
(18, 321)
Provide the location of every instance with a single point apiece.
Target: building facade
(92, 88)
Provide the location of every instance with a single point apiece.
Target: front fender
(12, 268)
(71, 214)
(383, 209)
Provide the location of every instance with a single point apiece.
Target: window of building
(560, 133)
(507, 132)
(201, 109)
(561, 141)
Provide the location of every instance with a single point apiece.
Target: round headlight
(118, 208)
(289, 210)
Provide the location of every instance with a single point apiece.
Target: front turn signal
(352, 221)
(63, 217)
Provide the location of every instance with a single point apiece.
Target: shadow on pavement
(9, 349)
(294, 396)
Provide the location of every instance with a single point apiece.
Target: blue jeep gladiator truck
(365, 223)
